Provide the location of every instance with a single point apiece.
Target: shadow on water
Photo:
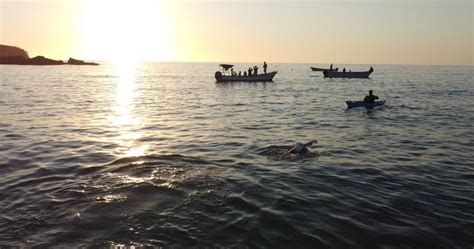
(368, 110)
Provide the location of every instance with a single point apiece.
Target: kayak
(353, 104)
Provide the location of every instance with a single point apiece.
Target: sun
(125, 30)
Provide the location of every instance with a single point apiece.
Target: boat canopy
(226, 66)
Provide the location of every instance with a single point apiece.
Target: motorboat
(346, 74)
(225, 76)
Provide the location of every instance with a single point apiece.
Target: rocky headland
(17, 56)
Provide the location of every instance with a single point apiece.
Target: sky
(427, 32)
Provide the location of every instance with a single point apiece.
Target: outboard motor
(218, 76)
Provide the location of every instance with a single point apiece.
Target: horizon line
(269, 62)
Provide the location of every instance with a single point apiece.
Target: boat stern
(218, 76)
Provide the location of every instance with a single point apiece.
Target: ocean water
(158, 154)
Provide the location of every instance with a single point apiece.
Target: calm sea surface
(158, 154)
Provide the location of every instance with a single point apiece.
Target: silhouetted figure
(370, 99)
(255, 70)
(301, 148)
(250, 71)
(240, 73)
(231, 71)
(245, 73)
(344, 70)
(330, 68)
(371, 69)
(264, 67)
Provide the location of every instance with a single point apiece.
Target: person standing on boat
(344, 70)
(265, 67)
(330, 68)
(250, 71)
(255, 70)
(370, 99)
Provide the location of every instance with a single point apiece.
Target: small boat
(342, 74)
(222, 77)
(353, 104)
(322, 69)
(318, 69)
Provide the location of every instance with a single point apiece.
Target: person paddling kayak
(301, 148)
(370, 99)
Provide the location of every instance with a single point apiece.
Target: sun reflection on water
(124, 95)
(123, 119)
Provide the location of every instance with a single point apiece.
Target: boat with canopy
(225, 76)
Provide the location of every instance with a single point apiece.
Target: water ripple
(90, 157)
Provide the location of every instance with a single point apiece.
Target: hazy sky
(318, 31)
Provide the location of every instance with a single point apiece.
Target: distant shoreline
(10, 55)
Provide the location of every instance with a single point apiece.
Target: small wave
(269, 221)
(14, 136)
(366, 171)
(239, 203)
(36, 181)
(407, 107)
(102, 76)
(110, 198)
(146, 188)
(172, 158)
(256, 127)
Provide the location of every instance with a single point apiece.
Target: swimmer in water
(301, 148)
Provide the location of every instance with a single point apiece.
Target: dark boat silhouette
(354, 104)
(342, 74)
(224, 77)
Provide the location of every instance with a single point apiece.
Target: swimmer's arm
(292, 149)
(311, 143)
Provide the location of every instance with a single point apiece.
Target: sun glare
(125, 30)
(124, 120)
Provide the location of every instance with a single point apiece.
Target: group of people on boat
(370, 70)
(251, 71)
(344, 69)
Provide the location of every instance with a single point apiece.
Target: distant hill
(11, 51)
(17, 56)
(73, 61)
